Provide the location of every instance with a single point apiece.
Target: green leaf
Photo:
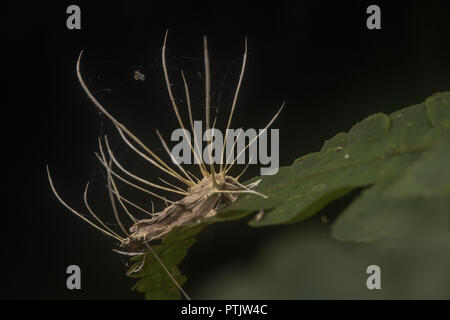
(409, 145)
(413, 200)
(402, 160)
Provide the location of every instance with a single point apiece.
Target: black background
(318, 56)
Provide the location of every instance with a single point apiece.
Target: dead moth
(200, 196)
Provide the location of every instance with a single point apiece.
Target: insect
(200, 196)
(138, 75)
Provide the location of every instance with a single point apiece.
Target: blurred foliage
(306, 263)
(400, 159)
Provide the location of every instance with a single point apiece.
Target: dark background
(318, 56)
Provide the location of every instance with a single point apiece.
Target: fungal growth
(199, 197)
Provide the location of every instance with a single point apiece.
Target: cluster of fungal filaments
(200, 195)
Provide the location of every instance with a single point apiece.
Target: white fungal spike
(172, 100)
(124, 129)
(76, 212)
(233, 106)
